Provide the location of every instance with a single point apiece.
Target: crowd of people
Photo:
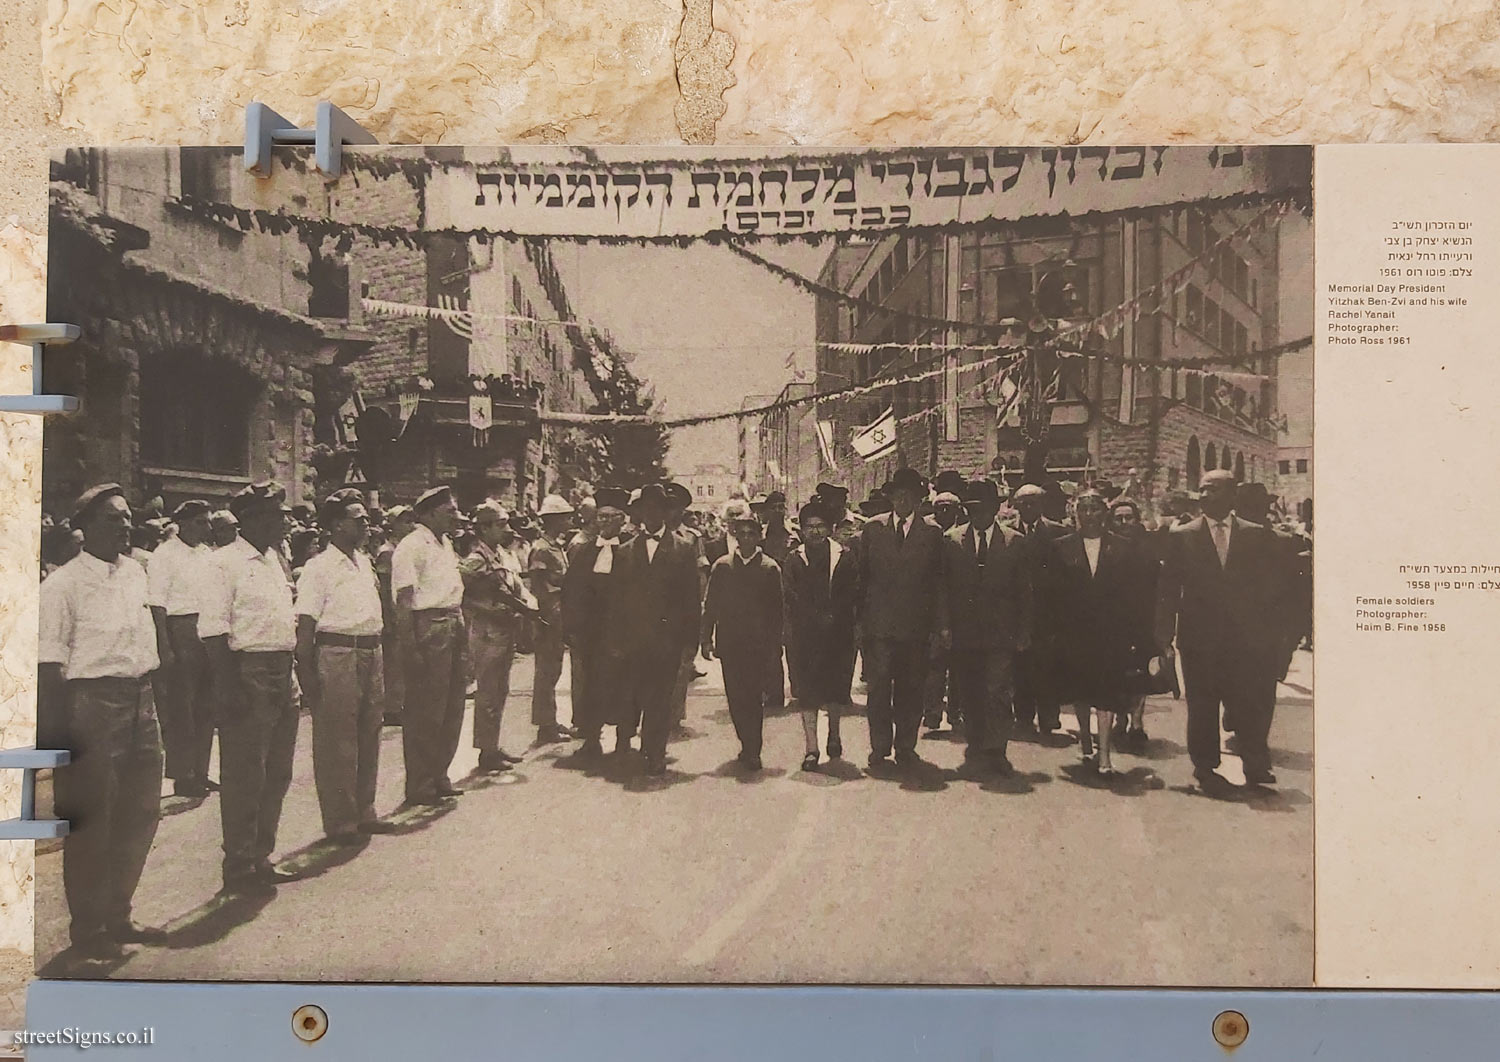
(963, 600)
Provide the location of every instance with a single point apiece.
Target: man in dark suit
(900, 566)
(1036, 704)
(987, 605)
(655, 621)
(742, 618)
(1225, 591)
(588, 594)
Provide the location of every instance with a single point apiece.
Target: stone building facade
(1110, 417)
(216, 353)
(202, 344)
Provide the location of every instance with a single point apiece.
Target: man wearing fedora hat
(250, 630)
(900, 566)
(1037, 709)
(1226, 592)
(547, 568)
(657, 612)
(180, 576)
(430, 630)
(97, 651)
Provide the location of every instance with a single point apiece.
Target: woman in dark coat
(1099, 618)
(819, 590)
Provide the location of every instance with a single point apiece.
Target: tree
(632, 453)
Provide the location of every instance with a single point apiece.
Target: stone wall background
(672, 71)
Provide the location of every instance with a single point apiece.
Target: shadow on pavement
(1276, 800)
(320, 857)
(176, 805)
(69, 964)
(415, 819)
(215, 919)
(829, 773)
(736, 770)
(1158, 749)
(1017, 783)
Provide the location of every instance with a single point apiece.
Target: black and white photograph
(747, 565)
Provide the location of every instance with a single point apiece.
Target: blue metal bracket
(38, 336)
(28, 828)
(264, 129)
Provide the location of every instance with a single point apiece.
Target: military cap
(191, 508)
(737, 509)
(492, 509)
(832, 491)
(223, 518)
(1218, 475)
(678, 495)
(397, 512)
(612, 498)
(555, 505)
(257, 496)
(907, 479)
(89, 500)
(337, 504)
(947, 497)
(1028, 490)
(431, 499)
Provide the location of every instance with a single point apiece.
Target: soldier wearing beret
(180, 577)
(98, 649)
(341, 668)
(250, 631)
(430, 629)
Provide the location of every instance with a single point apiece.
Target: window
(1284, 467)
(1194, 232)
(1195, 390)
(1254, 293)
(1194, 308)
(1241, 340)
(1239, 465)
(1301, 464)
(1194, 469)
(1242, 278)
(179, 430)
(1211, 320)
(1210, 458)
(901, 255)
(710, 490)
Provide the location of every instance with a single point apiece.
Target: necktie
(1221, 541)
(982, 546)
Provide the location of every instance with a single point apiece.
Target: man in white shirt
(341, 669)
(249, 629)
(179, 577)
(97, 651)
(432, 635)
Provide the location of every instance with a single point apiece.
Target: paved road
(553, 873)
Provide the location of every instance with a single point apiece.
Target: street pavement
(556, 873)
